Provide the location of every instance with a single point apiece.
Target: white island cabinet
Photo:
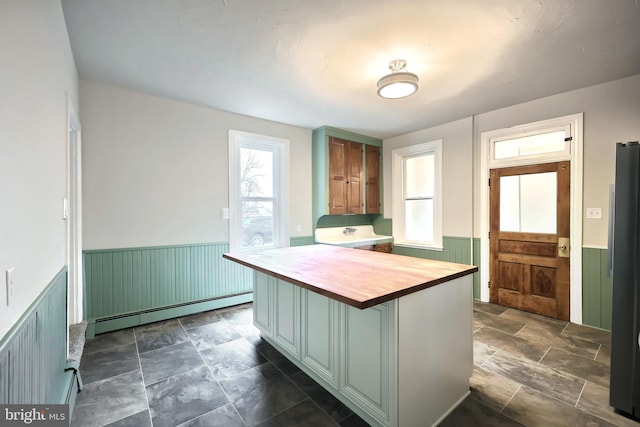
(398, 356)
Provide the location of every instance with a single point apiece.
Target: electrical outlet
(9, 277)
(594, 213)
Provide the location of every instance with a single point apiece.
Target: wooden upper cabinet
(372, 156)
(337, 177)
(354, 178)
(345, 177)
(346, 173)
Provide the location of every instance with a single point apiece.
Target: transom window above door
(534, 145)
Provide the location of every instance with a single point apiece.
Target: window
(258, 176)
(417, 201)
(533, 143)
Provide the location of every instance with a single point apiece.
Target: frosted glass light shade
(397, 85)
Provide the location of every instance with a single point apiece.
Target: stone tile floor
(536, 371)
(212, 369)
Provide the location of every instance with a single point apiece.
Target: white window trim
(280, 147)
(575, 156)
(397, 184)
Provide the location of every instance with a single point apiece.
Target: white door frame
(575, 156)
(73, 216)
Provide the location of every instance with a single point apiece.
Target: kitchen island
(388, 335)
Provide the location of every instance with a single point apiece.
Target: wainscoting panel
(126, 281)
(302, 241)
(33, 353)
(476, 262)
(456, 249)
(597, 288)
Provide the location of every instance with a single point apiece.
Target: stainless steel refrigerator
(625, 321)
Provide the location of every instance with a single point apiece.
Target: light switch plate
(224, 213)
(594, 213)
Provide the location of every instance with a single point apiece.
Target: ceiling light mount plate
(399, 83)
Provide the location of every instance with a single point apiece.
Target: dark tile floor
(536, 371)
(209, 369)
(212, 369)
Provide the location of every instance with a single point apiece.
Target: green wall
(597, 288)
(456, 249)
(33, 353)
(128, 287)
(133, 286)
(345, 220)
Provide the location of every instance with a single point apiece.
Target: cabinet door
(263, 293)
(354, 178)
(319, 349)
(286, 330)
(368, 375)
(372, 155)
(383, 247)
(337, 176)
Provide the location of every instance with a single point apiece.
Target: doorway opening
(531, 253)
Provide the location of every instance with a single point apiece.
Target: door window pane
(528, 203)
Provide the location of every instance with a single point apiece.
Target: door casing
(575, 156)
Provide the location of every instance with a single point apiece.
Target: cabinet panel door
(354, 178)
(319, 349)
(287, 317)
(263, 288)
(372, 156)
(367, 376)
(337, 176)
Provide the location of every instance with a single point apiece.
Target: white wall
(36, 75)
(457, 162)
(611, 114)
(155, 171)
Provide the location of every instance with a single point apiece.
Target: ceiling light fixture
(399, 83)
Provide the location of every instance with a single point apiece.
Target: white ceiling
(311, 63)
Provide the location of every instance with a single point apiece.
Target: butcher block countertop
(355, 277)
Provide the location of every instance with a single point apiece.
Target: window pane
(256, 173)
(528, 203)
(529, 145)
(419, 220)
(257, 224)
(419, 176)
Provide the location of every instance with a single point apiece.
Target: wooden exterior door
(529, 238)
